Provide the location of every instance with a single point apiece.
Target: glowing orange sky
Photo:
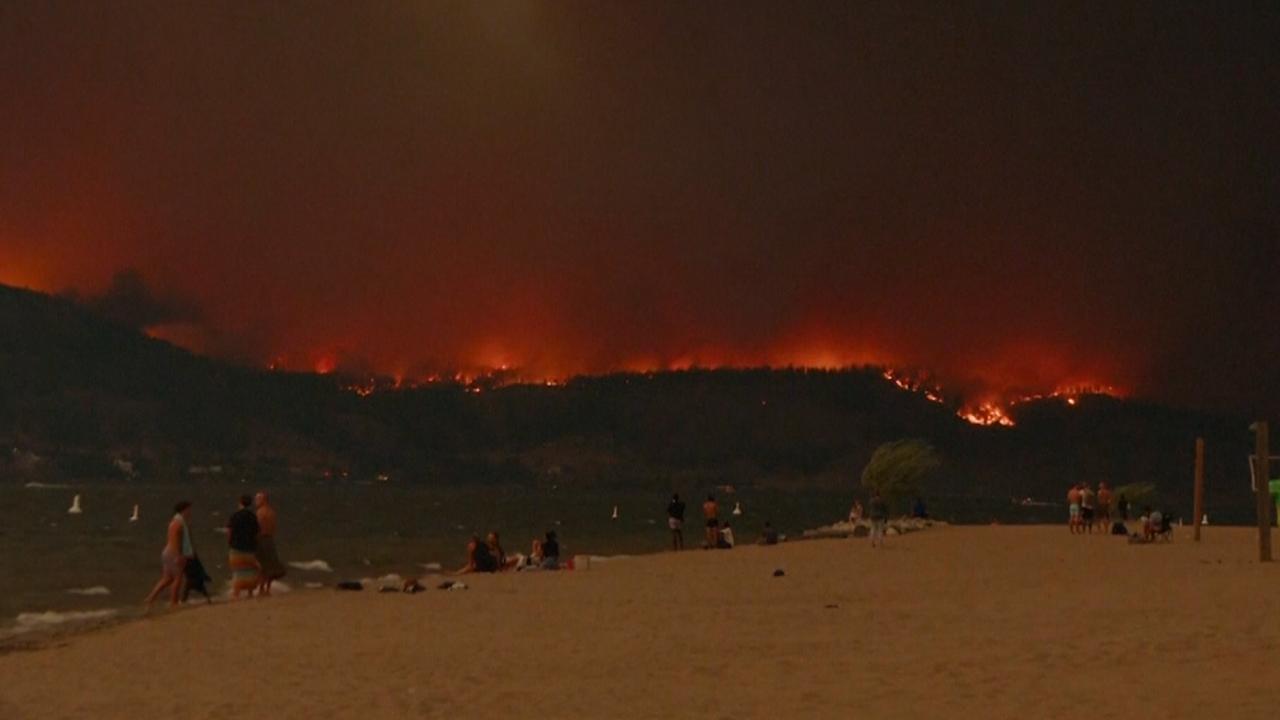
(1010, 198)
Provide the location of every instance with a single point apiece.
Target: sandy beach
(989, 622)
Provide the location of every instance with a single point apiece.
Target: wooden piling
(1261, 472)
(1198, 516)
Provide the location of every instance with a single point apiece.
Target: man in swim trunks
(675, 521)
(173, 559)
(268, 558)
(1073, 502)
(1086, 508)
(1104, 507)
(711, 511)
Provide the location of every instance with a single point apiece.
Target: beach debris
(388, 589)
(737, 508)
(134, 516)
(458, 586)
(413, 587)
(90, 591)
(779, 572)
(831, 606)
(615, 511)
(452, 585)
(352, 585)
(75, 508)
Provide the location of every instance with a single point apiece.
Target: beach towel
(244, 570)
(269, 559)
(196, 579)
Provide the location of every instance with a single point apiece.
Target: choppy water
(361, 530)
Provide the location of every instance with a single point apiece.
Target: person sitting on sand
(724, 541)
(550, 559)
(242, 556)
(768, 536)
(855, 512)
(268, 558)
(711, 512)
(479, 558)
(173, 559)
(500, 555)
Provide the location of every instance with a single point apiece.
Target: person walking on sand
(173, 559)
(268, 558)
(1086, 508)
(878, 510)
(711, 511)
(242, 559)
(1073, 503)
(675, 521)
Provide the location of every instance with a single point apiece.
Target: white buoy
(134, 516)
(75, 506)
(615, 512)
(737, 508)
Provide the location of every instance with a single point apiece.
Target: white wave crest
(95, 590)
(315, 565)
(37, 620)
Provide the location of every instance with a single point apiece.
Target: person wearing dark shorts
(711, 511)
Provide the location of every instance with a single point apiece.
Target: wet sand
(1006, 622)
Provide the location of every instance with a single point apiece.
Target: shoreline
(966, 620)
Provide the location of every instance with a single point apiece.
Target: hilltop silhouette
(88, 398)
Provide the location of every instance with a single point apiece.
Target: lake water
(366, 529)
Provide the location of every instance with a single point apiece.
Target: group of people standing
(1089, 509)
(252, 558)
(716, 535)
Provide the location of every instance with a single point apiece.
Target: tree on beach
(897, 469)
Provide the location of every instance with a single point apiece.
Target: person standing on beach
(268, 558)
(242, 559)
(878, 511)
(711, 511)
(675, 521)
(1073, 503)
(1104, 507)
(1086, 508)
(173, 559)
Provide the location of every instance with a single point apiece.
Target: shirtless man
(1086, 507)
(173, 559)
(1073, 502)
(1104, 507)
(268, 556)
(711, 511)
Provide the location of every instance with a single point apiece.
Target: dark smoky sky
(1009, 194)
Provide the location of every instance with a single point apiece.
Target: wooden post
(1199, 496)
(1262, 452)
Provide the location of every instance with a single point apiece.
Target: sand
(1007, 622)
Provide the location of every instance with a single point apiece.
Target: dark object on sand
(413, 586)
(1118, 528)
(196, 579)
(388, 589)
(779, 572)
(349, 585)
